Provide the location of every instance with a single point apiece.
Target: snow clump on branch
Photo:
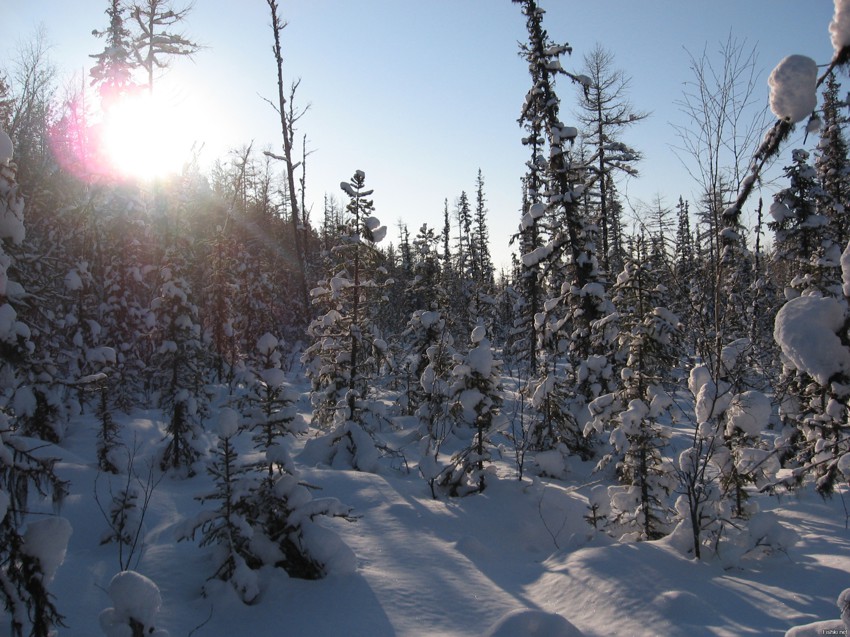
(793, 88)
(839, 28)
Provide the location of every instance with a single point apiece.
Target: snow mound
(533, 623)
(134, 597)
(793, 88)
(47, 540)
(806, 329)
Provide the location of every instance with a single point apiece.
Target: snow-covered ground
(517, 560)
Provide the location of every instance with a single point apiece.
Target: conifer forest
(225, 411)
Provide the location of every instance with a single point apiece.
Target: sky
(421, 95)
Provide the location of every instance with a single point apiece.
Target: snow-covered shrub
(264, 519)
(136, 601)
(288, 534)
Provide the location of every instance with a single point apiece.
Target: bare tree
(29, 107)
(725, 121)
(288, 117)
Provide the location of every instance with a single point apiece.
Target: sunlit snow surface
(500, 563)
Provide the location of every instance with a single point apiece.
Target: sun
(147, 137)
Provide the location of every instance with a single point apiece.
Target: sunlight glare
(147, 137)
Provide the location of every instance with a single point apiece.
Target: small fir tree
(476, 402)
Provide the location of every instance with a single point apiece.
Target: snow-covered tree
(832, 164)
(637, 412)
(348, 352)
(178, 366)
(476, 396)
(432, 360)
(30, 549)
(112, 72)
(801, 231)
(269, 404)
(227, 527)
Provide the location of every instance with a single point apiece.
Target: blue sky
(420, 95)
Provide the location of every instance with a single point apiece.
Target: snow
(845, 270)
(101, 355)
(839, 28)
(134, 596)
(47, 540)
(750, 412)
(712, 399)
(537, 255)
(480, 359)
(228, 423)
(73, 282)
(806, 329)
(533, 623)
(266, 344)
(273, 377)
(6, 148)
(793, 88)
(515, 557)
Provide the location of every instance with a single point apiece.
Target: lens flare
(144, 137)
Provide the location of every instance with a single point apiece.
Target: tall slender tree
(604, 114)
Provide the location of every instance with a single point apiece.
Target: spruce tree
(347, 351)
(179, 365)
(476, 399)
(227, 527)
(832, 164)
(113, 68)
(269, 405)
(635, 412)
(26, 569)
